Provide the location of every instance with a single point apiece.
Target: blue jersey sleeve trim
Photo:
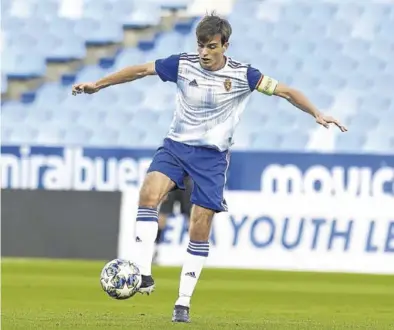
(254, 77)
(167, 68)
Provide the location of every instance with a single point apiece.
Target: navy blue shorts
(206, 167)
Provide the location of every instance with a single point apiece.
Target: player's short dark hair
(211, 25)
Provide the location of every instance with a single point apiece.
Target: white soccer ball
(120, 279)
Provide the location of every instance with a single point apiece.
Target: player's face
(212, 53)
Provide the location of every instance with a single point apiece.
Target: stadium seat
(22, 135)
(131, 136)
(377, 142)
(320, 47)
(49, 135)
(105, 137)
(350, 142)
(76, 135)
(71, 48)
(265, 141)
(294, 140)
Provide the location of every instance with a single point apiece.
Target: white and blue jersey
(208, 103)
(208, 107)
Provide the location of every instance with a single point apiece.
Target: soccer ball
(120, 279)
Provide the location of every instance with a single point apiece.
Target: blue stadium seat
(38, 116)
(343, 64)
(22, 135)
(296, 12)
(72, 48)
(45, 9)
(374, 103)
(324, 12)
(129, 97)
(61, 27)
(116, 119)
(358, 81)
(386, 120)
(350, 11)
(145, 15)
(6, 135)
(350, 142)
(131, 136)
(356, 48)
(22, 66)
(65, 116)
(171, 4)
(339, 29)
(97, 9)
(316, 64)
(382, 48)
(107, 32)
(310, 45)
(378, 142)
(265, 140)
(92, 117)
(92, 73)
(145, 118)
(13, 112)
(76, 135)
(370, 65)
(385, 29)
(363, 122)
(171, 41)
(20, 43)
(130, 56)
(51, 94)
(154, 137)
(104, 137)
(306, 81)
(242, 138)
(294, 140)
(332, 82)
(279, 120)
(12, 24)
(49, 135)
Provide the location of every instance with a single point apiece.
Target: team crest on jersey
(227, 84)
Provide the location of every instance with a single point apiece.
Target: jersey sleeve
(167, 68)
(254, 76)
(261, 83)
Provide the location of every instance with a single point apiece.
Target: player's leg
(164, 174)
(197, 253)
(156, 185)
(186, 204)
(208, 171)
(165, 209)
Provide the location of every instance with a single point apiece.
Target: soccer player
(212, 93)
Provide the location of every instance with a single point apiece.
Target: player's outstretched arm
(125, 75)
(299, 100)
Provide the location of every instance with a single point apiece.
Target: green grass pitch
(52, 294)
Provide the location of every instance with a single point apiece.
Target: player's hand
(87, 88)
(327, 120)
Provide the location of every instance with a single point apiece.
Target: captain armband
(267, 85)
